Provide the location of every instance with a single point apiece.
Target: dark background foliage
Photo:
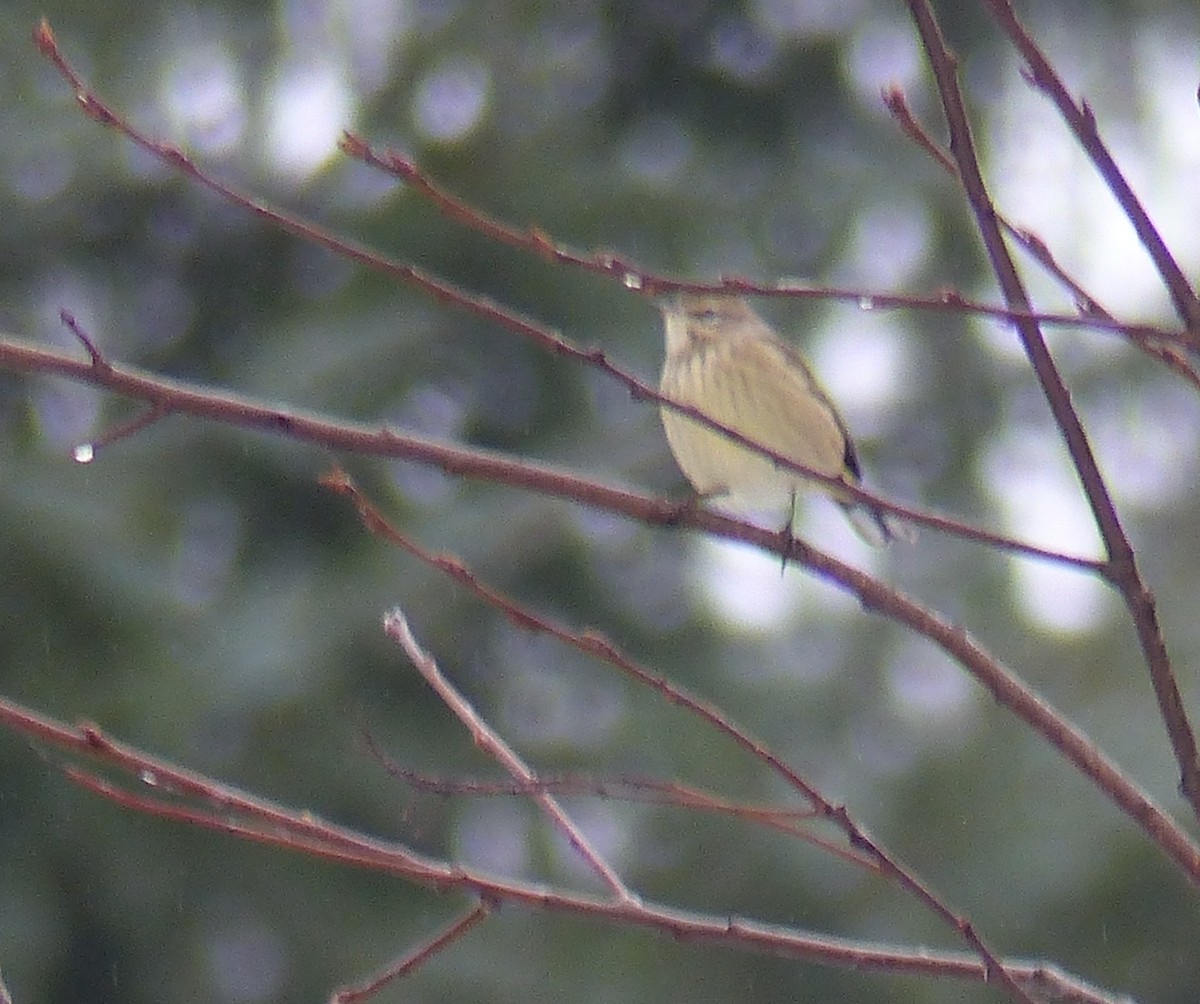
(196, 593)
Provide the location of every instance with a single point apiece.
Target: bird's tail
(875, 526)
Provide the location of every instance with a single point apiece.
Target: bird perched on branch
(727, 362)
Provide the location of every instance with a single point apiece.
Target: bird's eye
(708, 314)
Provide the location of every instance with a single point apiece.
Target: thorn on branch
(543, 243)
(92, 735)
(407, 170)
(1089, 117)
(43, 38)
(677, 512)
(611, 263)
(336, 480)
(1032, 241)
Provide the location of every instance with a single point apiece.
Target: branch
(1082, 123)
(1122, 567)
(165, 396)
(537, 241)
(626, 788)
(489, 740)
(872, 593)
(593, 644)
(1170, 355)
(405, 965)
(231, 811)
(526, 328)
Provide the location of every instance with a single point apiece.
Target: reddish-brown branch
(68, 319)
(550, 481)
(438, 288)
(631, 789)
(1168, 354)
(410, 960)
(507, 319)
(1079, 118)
(165, 395)
(633, 276)
(1119, 567)
(1122, 567)
(252, 818)
(595, 645)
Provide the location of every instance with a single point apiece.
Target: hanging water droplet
(148, 777)
(632, 280)
(84, 453)
(866, 303)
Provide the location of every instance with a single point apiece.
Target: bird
(725, 360)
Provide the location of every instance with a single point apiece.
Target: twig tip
(43, 38)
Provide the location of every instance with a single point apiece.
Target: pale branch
(396, 626)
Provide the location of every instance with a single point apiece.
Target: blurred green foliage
(196, 593)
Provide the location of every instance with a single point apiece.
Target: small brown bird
(725, 360)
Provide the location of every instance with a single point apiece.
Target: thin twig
(410, 960)
(1122, 568)
(632, 789)
(1082, 122)
(492, 743)
(1169, 354)
(85, 339)
(147, 417)
(516, 323)
(86, 452)
(537, 241)
(896, 103)
(239, 814)
(550, 481)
